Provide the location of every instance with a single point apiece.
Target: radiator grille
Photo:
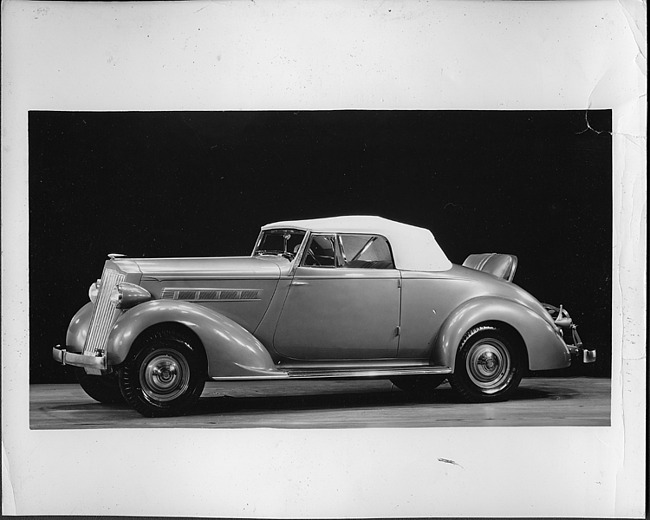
(104, 313)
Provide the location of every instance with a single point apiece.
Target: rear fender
(230, 349)
(544, 346)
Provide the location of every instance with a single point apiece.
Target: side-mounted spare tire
(489, 365)
(164, 373)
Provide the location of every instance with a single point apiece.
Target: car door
(340, 308)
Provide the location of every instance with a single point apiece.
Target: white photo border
(323, 55)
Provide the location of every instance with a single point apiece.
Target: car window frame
(378, 235)
(338, 251)
(306, 244)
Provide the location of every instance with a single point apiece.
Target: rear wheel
(489, 365)
(105, 389)
(165, 375)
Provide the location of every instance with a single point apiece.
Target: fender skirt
(230, 349)
(545, 348)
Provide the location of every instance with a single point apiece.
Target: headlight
(126, 295)
(93, 290)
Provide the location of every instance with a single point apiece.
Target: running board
(358, 373)
(348, 372)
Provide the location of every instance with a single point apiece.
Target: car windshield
(285, 242)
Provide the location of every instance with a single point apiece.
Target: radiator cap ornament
(113, 256)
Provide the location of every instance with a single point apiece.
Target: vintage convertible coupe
(342, 297)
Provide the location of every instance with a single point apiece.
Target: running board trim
(366, 373)
(346, 373)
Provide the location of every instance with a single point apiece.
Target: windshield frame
(289, 255)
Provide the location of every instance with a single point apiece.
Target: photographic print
(322, 259)
(366, 315)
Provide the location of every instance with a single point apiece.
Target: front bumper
(61, 355)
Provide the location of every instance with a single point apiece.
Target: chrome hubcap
(489, 365)
(164, 375)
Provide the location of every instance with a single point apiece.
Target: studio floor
(573, 401)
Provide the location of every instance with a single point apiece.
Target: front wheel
(489, 366)
(166, 374)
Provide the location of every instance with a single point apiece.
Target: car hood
(222, 267)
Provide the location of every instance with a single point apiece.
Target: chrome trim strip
(360, 373)
(377, 364)
(204, 277)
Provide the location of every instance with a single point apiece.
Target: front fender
(75, 338)
(230, 349)
(546, 349)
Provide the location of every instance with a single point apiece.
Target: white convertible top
(414, 248)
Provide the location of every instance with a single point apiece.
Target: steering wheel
(310, 254)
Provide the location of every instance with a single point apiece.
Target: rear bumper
(581, 355)
(569, 332)
(61, 355)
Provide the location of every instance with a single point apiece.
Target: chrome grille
(104, 313)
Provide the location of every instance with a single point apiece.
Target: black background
(532, 183)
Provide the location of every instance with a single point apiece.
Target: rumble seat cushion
(501, 265)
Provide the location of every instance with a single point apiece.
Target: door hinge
(397, 330)
(399, 283)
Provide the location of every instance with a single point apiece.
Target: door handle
(299, 283)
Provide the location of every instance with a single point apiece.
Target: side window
(366, 252)
(320, 252)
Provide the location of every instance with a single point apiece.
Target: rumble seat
(501, 265)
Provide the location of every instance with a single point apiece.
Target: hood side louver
(211, 294)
